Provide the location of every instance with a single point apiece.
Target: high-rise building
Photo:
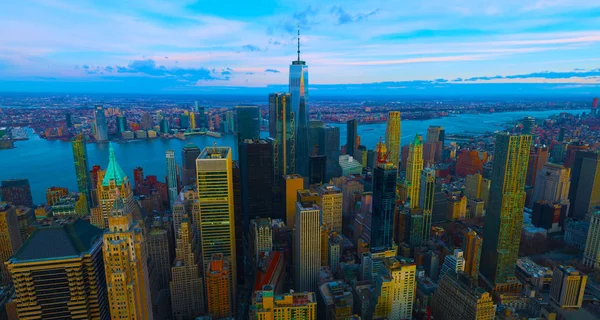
(331, 207)
(351, 136)
(552, 184)
(337, 301)
(313, 132)
(68, 120)
(100, 126)
(158, 250)
(393, 136)
(329, 146)
(121, 124)
(218, 287)
(426, 193)
(59, 274)
(456, 298)
(571, 151)
(568, 287)
(504, 217)
(414, 167)
(248, 122)
(294, 305)
(591, 253)
(537, 158)
(472, 253)
(292, 183)
(528, 125)
(10, 238)
(298, 90)
(584, 192)
(16, 192)
(282, 128)
(384, 197)
(261, 233)
(395, 287)
(192, 120)
(125, 264)
(187, 285)
(172, 182)
(454, 262)
(147, 122)
(189, 154)
(256, 172)
(317, 169)
(82, 171)
(216, 221)
(202, 122)
(53, 195)
(307, 247)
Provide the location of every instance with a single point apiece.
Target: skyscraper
(584, 192)
(351, 135)
(393, 136)
(329, 146)
(16, 192)
(317, 169)
(82, 171)
(248, 122)
(147, 122)
(426, 193)
(125, 264)
(568, 287)
(121, 124)
(291, 184)
(299, 93)
(59, 274)
(528, 125)
(394, 289)
(10, 238)
(472, 253)
(552, 184)
(256, 172)
(504, 218)
(69, 120)
(591, 254)
(537, 158)
(158, 249)
(282, 128)
(100, 126)
(384, 196)
(187, 286)
(331, 207)
(216, 222)
(307, 247)
(414, 166)
(218, 287)
(189, 154)
(455, 298)
(171, 177)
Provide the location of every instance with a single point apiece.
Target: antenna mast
(298, 43)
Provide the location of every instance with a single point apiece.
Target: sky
(236, 46)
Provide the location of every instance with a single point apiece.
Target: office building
(414, 166)
(282, 129)
(16, 192)
(591, 253)
(147, 121)
(248, 122)
(504, 217)
(298, 89)
(10, 238)
(454, 262)
(472, 253)
(218, 287)
(187, 285)
(292, 183)
(331, 207)
(549, 215)
(158, 250)
(528, 125)
(336, 301)
(68, 120)
(568, 287)
(261, 234)
(426, 195)
(571, 152)
(395, 287)
(538, 156)
(393, 137)
(584, 192)
(256, 173)
(82, 171)
(59, 274)
(73, 205)
(351, 136)
(164, 127)
(455, 298)
(384, 197)
(100, 126)
(307, 247)
(329, 146)
(317, 169)
(53, 195)
(125, 264)
(189, 154)
(349, 165)
(172, 183)
(121, 124)
(266, 305)
(215, 223)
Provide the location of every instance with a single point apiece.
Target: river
(49, 163)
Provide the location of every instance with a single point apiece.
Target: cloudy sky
(189, 46)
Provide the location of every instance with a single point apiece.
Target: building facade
(591, 253)
(307, 247)
(218, 287)
(568, 287)
(393, 135)
(82, 171)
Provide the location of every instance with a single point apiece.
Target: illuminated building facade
(292, 183)
(384, 197)
(282, 129)
(218, 288)
(426, 193)
(10, 237)
(393, 136)
(266, 305)
(414, 167)
(307, 247)
(331, 207)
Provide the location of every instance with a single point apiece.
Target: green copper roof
(417, 141)
(113, 171)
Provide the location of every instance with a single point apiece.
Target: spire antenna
(298, 43)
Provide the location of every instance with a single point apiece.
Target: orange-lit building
(53, 194)
(217, 287)
(468, 162)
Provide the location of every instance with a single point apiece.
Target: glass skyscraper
(101, 129)
(248, 122)
(282, 130)
(299, 90)
(384, 198)
(171, 177)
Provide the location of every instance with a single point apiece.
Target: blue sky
(191, 46)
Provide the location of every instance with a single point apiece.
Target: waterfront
(49, 163)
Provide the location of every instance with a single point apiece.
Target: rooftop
(214, 153)
(113, 170)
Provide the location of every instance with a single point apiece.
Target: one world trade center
(299, 93)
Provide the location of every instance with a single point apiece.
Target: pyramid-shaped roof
(113, 171)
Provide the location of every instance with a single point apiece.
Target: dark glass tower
(584, 192)
(384, 197)
(316, 170)
(189, 154)
(121, 124)
(82, 172)
(329, 146)
(101, 129)
(282, 128)
(256, 166)
(248, 122)
(69, 120)
(351, 133)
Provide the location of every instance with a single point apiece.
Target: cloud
(251, 48)
(108, 69)
(150, 68)
(548, 75)
(272, 70)
(344, 17)
(304, 19)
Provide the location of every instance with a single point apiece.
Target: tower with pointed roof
(125, 262)
(414, 165)
(298, 87)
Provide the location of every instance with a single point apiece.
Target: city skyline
(196, 47)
